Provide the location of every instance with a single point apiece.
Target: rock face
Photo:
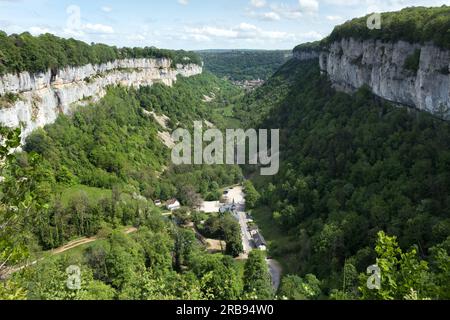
(304, 55)
(40, 98)
(351, 64)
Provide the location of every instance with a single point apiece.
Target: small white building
(173, 204)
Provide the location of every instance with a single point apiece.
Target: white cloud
(245, 32)
(287, 12)
(183, 2)
(265, 16)
(136, 37)
(98, 28)
(346, 3)
(258, 3)
(212, 32)
(335, 18)
(36, 30)
(273, 16)
(309, 6)
(106, 9)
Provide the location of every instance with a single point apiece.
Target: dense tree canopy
(417, 24)
(241, 65)
(25, 52)
(351, 166)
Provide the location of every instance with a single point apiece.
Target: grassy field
(93, 194)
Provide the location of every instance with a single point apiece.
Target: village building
(173, 204)
(259, 241)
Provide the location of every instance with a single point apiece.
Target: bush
(412, 63)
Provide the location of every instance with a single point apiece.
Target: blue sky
(191, 24)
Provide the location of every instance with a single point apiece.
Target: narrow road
(237, 196)
(246, 237)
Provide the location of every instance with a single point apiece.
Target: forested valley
(96, 175)
(362, 182)
(241, 65)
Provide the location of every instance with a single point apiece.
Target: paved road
(237, 194)
(246, 238)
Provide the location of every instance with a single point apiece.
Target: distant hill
(238, 65)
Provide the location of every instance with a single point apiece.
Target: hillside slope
(241, 65)
(352, 165)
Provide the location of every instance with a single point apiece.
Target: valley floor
(236, 196)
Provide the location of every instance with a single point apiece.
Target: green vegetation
(238, 65)
(295, 288)
(412, 63)
(138, 267)
(361, 182)
(257, 280)
(224, 227)
(98, 171)
(256, 106)
(8, 99)
(186, 101)
(309, 46)
(406, 276)
(351, 166)
(251, 195)
(415, 25)
(12, 245)
(36, 54)
(116, 144)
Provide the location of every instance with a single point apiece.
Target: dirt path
(67, 247)
(73, 244)
(82, 241)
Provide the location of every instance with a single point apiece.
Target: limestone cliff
(307, 51)
(40, 98)
(415, 75)
(384, 67)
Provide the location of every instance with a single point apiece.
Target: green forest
(415, 25)
(96, 174)
(361, 182)
(24, 52)
(239, 65)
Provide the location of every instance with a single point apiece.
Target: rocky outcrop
(408, 74)
(307, 51)
(40, 98)
(304, 55)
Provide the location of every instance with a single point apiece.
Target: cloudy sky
(191, 24)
